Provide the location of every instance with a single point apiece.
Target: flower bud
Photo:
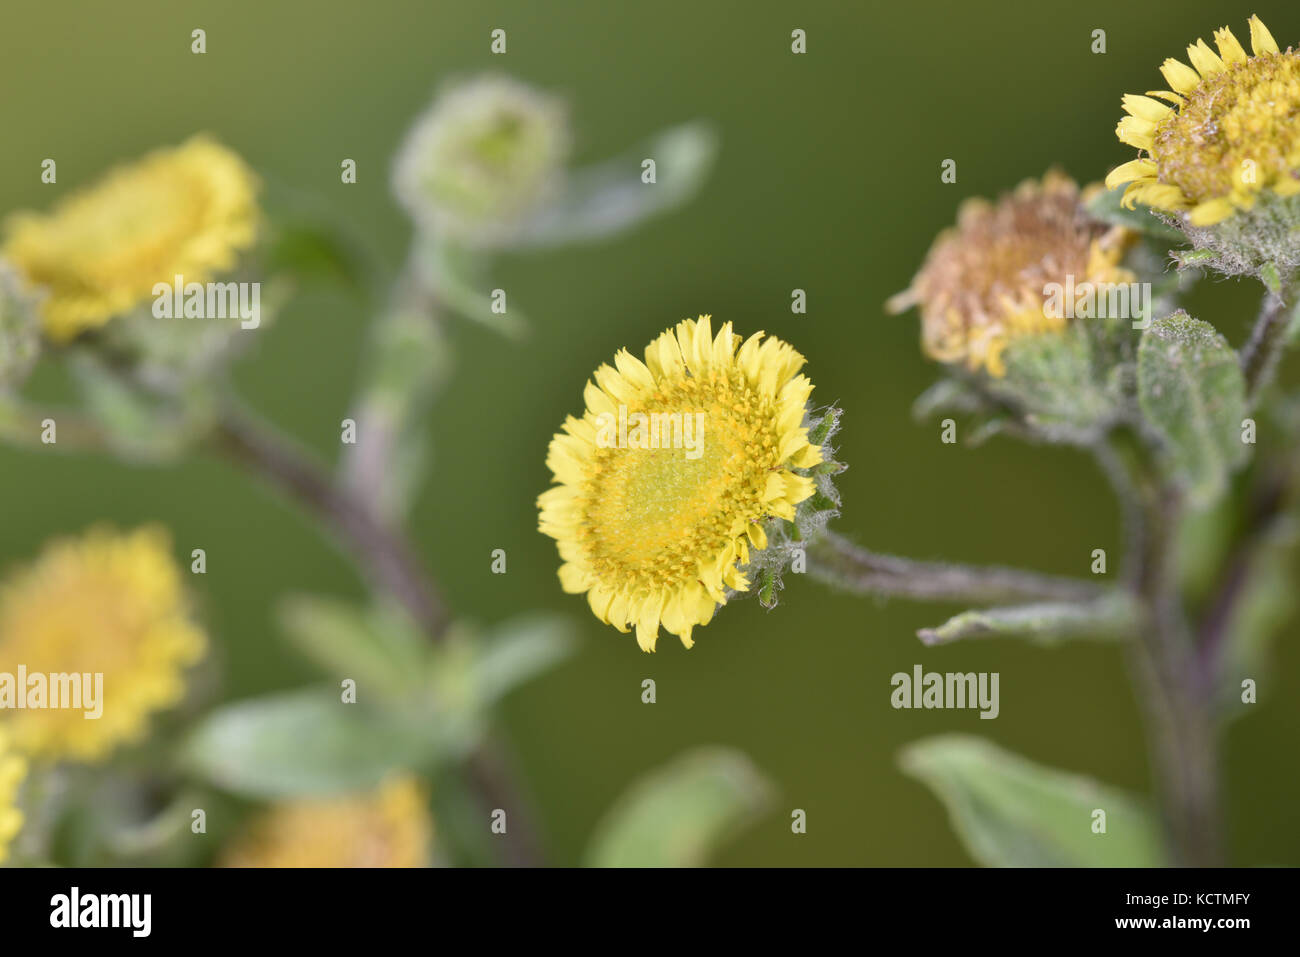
(481, 160)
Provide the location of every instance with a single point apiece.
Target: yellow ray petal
(1261, 41)
(1127, 172)
(1229, 48)
(1135, 132)
(1180, 76)
(1211, 211)
(1167, 96)
(1204, 59)
(1145, 108)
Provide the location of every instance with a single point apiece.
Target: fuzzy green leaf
(677, 815)
(1010, 812)
(610, 198)
(1192, 392)
(1051, 377)
(305, 742)
(377, 647)
(1047, 623)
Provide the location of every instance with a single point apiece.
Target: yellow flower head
(186, 211)
(104, 604)
(1228, 129)
(12, 770)
(390, 827)
(667, 479)
(984, 282)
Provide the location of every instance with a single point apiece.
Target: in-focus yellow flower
(185, 211)
(13, 768)
(389, 827)
(984, 282)
(1228, 129)
(105, 604)
(667, 479)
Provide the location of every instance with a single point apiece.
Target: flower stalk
(838, 561)
(383, 554)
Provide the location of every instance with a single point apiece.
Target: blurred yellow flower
(105, 604)
(1226, 131)
(389, 827)
(184, 211)
(984, 283)
(12, 770)
(667, 479)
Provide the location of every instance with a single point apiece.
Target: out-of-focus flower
(186, 211)
(110, 604)
(1226, 132)
(482, 158)
(13, 768)
(389, 827)
(984, 283)
(666, 481)
(19, 329)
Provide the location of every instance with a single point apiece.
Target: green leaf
(1050, 376)
(377, 647)
(519, 650)
(1106, 207)
(677, 815)
(136, 424)
(1047, 624)
(307, 249)
(610, 198)
(1192, 391)
(1010, 812)
(456, 277)
(306, 742)
(949, 395)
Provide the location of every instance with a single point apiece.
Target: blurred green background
(828, 180)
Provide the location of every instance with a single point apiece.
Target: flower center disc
(1238, 131)
(653, 514)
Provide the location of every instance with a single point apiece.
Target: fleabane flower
(666, 482)
(187, 211)
(106, 603)
(388, 827)
(1226, 132)
(13, 768)
(985, 282)
(487, 153)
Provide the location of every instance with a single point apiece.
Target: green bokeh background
(828, 180)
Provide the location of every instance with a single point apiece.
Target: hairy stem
(1182, 735)
(1266, 505)
(385, 556)
(837, 561)
(1263, 350)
